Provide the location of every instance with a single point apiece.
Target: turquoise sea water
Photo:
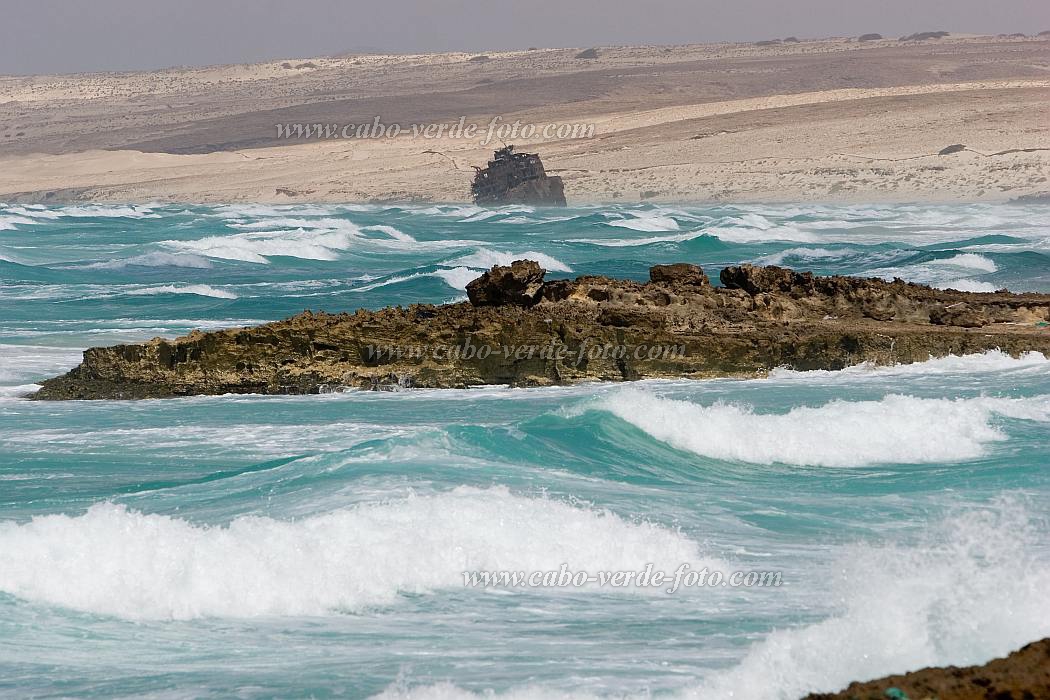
(314, 546)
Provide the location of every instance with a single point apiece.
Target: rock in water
(521, 330)
(1023, 675)
(518, 284)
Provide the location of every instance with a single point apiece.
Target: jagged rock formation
(525, 331)
(1023, 675)
(518, 284)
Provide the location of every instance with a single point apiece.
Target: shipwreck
(517, 178)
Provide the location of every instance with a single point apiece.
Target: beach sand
(832, 120)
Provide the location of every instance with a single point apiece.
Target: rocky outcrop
(1023, 675)
(678, 274)
(519, 284)
(523, 330)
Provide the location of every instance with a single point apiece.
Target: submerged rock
(523, 330)
(1023, 675)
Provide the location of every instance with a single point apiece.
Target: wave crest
(120, 562)
(894, 430)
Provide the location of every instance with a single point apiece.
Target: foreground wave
(140, 566)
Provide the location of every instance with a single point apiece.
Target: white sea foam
(256, 247)
(11, 223)
(805, 254)
(990, 361)
(486, 258)
(971, 591)
(480, 216)
(897, 429)
(646, 221)
(634, 242)
(946, 273)
(756, 228)
(397, 279)
(158, 259)
(93, 211)
(967, 285)
(20, 364)
(476, 214)
(115, 561)
(261, 210)
(970, 261)
(204, 290)
(450, 210)
(394, 233)
(458, 277)
(308, 239)
(17, 391)
(104, 212)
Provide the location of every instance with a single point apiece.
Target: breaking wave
(972, 592)
(203, 290)
(990, 361)
(158, 259)
(894, 430)
(646, 221)
(485, 259)
(969, 592)
(138, 566)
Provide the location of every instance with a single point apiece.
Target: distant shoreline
(813, 121)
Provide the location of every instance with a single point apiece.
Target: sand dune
(830, 120)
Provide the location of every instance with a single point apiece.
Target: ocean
(256, 547)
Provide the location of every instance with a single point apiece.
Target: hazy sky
(45, 36)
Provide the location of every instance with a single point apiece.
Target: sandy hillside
(830, 120)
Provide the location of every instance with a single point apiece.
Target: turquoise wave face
(315, 546)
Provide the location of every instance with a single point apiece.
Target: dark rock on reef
(954, 148)
(1023, 675)
(518, 284)
(754, 280)
(521, 330)
(678, 273)
(869, 37)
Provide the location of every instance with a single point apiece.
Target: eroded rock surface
(1023, 675)
(525, 331)
(519, 283)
